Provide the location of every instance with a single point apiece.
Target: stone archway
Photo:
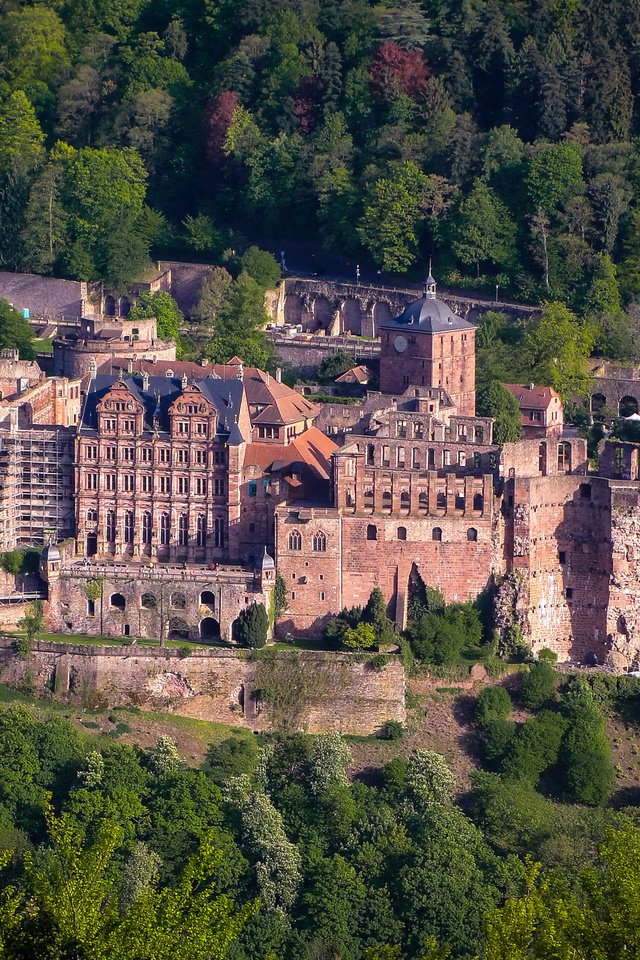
(293, 308)
(381, 313)
(209, 630)
(109, 306)
(178, 629)
(598, 404)
(322, 313)
(628, 405)
(351, 317)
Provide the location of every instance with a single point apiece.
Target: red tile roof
(359, 374)
(532, 397)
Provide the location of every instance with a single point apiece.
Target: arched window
(402, 533)
(111, 525)
(472, 534)
(117, 601)
(319, 542)
(109, 306)
(372, 531)
(128, 526)
(405, 499)
(146, 527)
(628, 406)
(295, 540)
(165, 529)
(201, 534)
(478, 501)
(92, 516)
(183, 530)
(386, 498)
(436, 534)
(178, 600)
(148, 601)
(423, 500)
(125, 307)
(441, 501)
(564, 456)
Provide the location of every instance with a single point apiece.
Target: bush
(184, 652)
(232, 757)
(250, 628)
(492, 703)
(537, 685)
(362, 637)
(547, 656)
(20, 561)
(496, 736)
(377, 662)
(24, 647)
(535, 748)
(513, 645)
(586, 753)
(393, 730)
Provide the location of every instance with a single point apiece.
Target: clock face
(400, 343)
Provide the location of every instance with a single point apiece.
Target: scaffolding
(36, 485)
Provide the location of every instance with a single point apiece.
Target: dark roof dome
(429, 314)
(50, 552)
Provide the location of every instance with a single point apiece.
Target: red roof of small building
(359, 374)
(533, 397)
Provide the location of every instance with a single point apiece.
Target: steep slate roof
(532, 397)
(225, 395)
(278, 403)
(428, 315)
(44, 297)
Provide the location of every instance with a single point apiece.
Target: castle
(193, 483)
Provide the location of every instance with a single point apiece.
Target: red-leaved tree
(396, 70)
(218, 117)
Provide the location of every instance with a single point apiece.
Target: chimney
(278, 375)
(184, 381)
(240, 371)
(145, 380)
(130, 365)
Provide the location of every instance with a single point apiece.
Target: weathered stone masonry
(211, 685)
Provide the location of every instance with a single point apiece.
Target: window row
(436, 533)
(318, 541)
(413, 458)
(423, 500)
(182, 485)
(185, 531)
(162, 455)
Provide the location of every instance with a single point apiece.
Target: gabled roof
(532, 397)
(159, 394)
(270, 401)
(359, 374)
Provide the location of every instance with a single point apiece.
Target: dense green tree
(390, 225)
(162, 306)
(262, 266)
(555, 174)
(251, 626)
(538, 685)
(587, 765)
(483, 231)
(239, 326)
(496, 401)
(559, 346)
(15, 331)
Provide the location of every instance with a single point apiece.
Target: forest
(276, 848)
(498, 136)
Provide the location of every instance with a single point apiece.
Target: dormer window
(169, 374)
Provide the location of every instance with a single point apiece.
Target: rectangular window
(127, 483)
(91, 481)
(462, 458)
(128, 426)
(110, 481)
(165, 484)
(536, 416)
(201, 486)
(109, 426)
(182, 456)
(146, 454)
(183, 485)
(111, 453)
(477, 461)
(201, 458)
(447, 458)
(183, 427)
(128, 454)
(147, 484)
(218, 488)
(164, 454)
(91, 452)
(201, 429)
(218, 458)
(253, 488)
(266, 486)
(562, 556)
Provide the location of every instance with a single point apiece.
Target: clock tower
(429, 346)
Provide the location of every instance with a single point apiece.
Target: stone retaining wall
(218, 685)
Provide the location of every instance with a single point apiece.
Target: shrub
(513, 645)
(586, 753)
(184, 652)
(547, 656)
(20, 561)
(393, 730)
(24, 647)
(231, 758)
(535, 747)
(537, 685)
(496, 736)
(377, 662)
(492, 703)
(362, 637)
(250, 628)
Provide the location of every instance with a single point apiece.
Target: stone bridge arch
(351, 311)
